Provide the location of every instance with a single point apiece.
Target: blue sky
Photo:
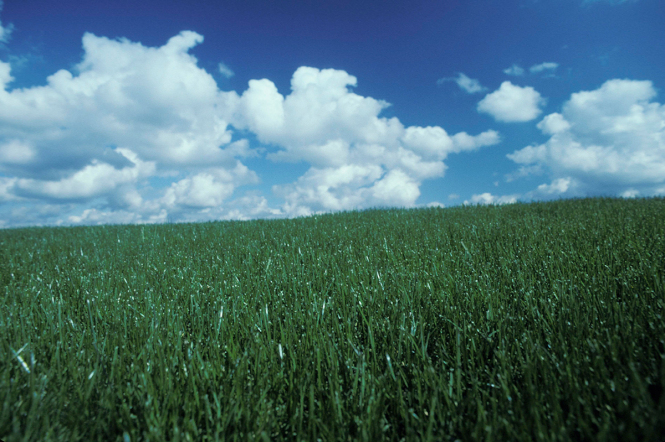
(156, 111)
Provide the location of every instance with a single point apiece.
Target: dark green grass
(538, 321)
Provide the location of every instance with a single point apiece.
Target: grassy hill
(539, 321)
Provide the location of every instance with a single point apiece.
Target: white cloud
(511, 103)
(547, 66)
(16, 152)
(225, 70)
(630, 193)
(155, 101)
(556, 187)
(435, 143)
(463, 141)
(97, 217)
(201, 190)
(319, 108)
(5, 75)
(468, 85)
(126, 113)
(6, 189)
(487, 198)
(514, 70)
(529, 155)
(95, 179)
(357, 158)
(605, 140)
(553, 123)
(396, 188)
(143, 134)
(206, 189)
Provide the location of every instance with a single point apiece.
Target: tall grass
(539, 321)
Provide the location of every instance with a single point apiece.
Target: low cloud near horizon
(609, 140)
(94, 144)
(139, 134)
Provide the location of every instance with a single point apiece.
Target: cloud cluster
(143, 134)
(126, 114)
(610, 140)
(511, 103)
(357, 158)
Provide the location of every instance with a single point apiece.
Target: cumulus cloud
(206, 189)
(468, 85)
(511, 103)
(487, 198)
(124, 114)
(553, 124)
(143, 134)
(608, 140)
(514, 70)
(95, 179)
(155, 101)
(358, 159)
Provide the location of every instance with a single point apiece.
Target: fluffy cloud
(556, 187)
(358, 159)
(126, 113)
(155, 101)
(95, 179)
(143, 134)
(514, 70)
(512, 103)
(609, 140)
(206, 189)
(468, 85)
(553, 124)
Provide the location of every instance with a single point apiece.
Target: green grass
(539, 321)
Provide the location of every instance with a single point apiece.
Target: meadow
(539, 321)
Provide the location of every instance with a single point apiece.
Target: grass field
(539, 321)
